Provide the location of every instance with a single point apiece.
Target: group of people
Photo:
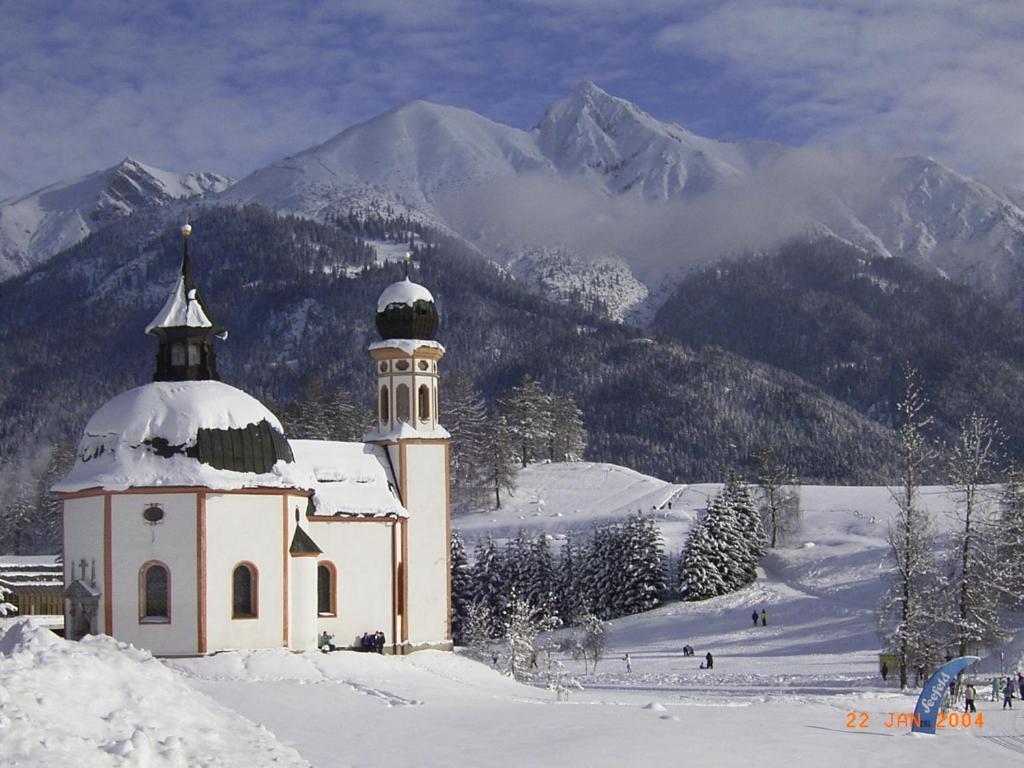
(1009, 689)
(373, 643)
(763, 616)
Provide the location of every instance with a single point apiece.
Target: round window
(424, 365)
(153, 514)
(383, 367)
(402, 365)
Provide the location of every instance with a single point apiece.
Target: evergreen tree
(570, 593)
(1011, 545)
(746, 519)
(498, 472)
(527, 410)
(465, 417)
(699, 574)
(542, 583)
(568, 439)
(642, 574)
(463, 592)
(489, 580)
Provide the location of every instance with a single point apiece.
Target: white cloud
(937, 76)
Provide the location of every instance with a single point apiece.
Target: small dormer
(185, 330)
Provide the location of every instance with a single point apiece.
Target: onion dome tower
(406, 359)
(185, 330)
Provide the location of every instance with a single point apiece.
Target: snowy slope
(34, 227)
(780, 695)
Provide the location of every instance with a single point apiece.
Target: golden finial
(408, 261)
(186, 228)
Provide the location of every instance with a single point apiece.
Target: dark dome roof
(406, 310)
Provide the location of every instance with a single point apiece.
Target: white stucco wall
(426, 498)
(255, 529)
(172, 542)
(83, 538)
(361, 554)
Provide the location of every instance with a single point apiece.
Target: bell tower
(185, 329)
(406, 361)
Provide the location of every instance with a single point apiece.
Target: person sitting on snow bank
(325, 642)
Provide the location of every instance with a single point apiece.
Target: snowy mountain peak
(35, 226)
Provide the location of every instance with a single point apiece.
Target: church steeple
(185, 329)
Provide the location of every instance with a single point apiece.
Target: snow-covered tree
(521, 624)
(779, 496)
(570, 592)
(974, 462)
(591, 640)
(489, 579)
(477, 631)
(699, 574)
(642, 574)
(911, 610)
(1011, 535)
(6, 608)
(527, 411)
(463, 592)
(746, 519)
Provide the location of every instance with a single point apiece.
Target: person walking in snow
(969, 698)
(629, 665)
(754, 617)
(997, 688)
(1020, 683)
(885, 672)
(1008, 693)
(764, 618)
(710, 661)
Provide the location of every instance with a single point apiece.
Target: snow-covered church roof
(184, 433)
(349, 478)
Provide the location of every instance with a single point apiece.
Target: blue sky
(230, 86)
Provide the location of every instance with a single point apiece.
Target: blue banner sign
(930, 700)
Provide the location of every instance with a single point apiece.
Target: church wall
(252, 529)
(172, 541)
(83, 539)
(361, 553)
(426, 498)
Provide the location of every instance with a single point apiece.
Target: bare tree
(974, 461)
(779, 494)
(907, 617)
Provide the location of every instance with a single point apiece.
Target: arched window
(326, 590)
(154, 593)
(244, 592)
(423, 406)
(402, 403)
(385, 408)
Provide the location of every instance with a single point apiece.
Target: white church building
(193, 525)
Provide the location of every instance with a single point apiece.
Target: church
(193, 525)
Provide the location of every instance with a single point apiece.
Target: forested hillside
(847, 323)
(298, 299)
